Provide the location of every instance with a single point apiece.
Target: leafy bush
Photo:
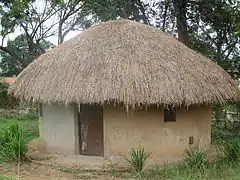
(12, 144)
(217, 133)
(7, 101)
(232, 150)
(137, 159)
(194, 158)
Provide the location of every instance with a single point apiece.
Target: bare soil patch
(37, 171)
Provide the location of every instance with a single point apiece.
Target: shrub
(232, 150)
(7, 101)
(137, 159)
(194, 158)
(217, 133)
(12, 144)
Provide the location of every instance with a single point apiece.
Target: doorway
(91, 129)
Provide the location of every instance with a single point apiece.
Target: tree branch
(231, 46)
(5, 49)
(208, 36)
(144, 17)
(165, 14)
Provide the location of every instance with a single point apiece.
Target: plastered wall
(165, 140)
(58, 128)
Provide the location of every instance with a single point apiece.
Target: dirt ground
(56, 166)
(37, 171)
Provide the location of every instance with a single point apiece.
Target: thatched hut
(122, 83)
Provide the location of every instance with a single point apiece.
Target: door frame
(79, 124)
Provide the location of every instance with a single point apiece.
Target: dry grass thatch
(128, 62)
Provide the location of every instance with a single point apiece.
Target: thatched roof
(125, 62)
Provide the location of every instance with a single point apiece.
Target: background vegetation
(7, 101)
(211, 27)
(15, 132)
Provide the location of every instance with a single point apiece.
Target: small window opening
(170, 115)
(191, 140)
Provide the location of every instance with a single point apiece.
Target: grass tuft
(194, 158)
(15, 132)
(232, 150)
(137, 159)
(12, 143)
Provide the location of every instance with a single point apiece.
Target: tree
(105, 10)
(208, 26)
(71, 17)
(19, 46)
(7, 101)
(211, 27)
(31, 22)
(54, 19)
(180, 7)
(215, 23)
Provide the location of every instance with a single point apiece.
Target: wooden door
(91, 127)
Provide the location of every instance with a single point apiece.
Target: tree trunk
(60, 33)
(165, 14)
(180, 9)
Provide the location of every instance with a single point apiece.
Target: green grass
(29, 123)
(180, 172)
(220, 170)
(196, 167)
(12, 178)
